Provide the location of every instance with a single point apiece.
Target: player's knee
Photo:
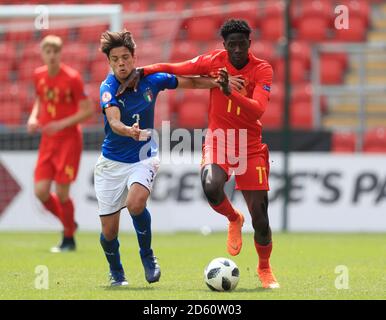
(110, 233)
(136, 207)
(42, 194)
(260, 225)
(212, 190)
(63, 197)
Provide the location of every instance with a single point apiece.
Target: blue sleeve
(107, 96)
(165, 81)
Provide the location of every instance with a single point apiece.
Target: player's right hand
(33, 125)
(137, 134)
(131, 82)
(237, 82)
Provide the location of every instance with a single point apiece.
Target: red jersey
(234, 111)
(59, 96)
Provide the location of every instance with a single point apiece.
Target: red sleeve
(36, 81)
(199, 65)
(257, 105)
(77, 88)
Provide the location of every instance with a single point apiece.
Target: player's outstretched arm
(113, 116)
(197, 66)
(196, 83)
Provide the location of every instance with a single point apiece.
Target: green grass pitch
(303, 263)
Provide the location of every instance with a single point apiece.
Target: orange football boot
(234, 241)
(267, 278)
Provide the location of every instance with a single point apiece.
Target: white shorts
(112, 180)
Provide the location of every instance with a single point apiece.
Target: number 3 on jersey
(136, 117)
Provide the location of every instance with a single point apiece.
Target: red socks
(53, 206)
(264, 253)
(68, 218)
(226, 209)
(64, 212)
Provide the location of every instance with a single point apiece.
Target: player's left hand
(223, 80)
(52, 127)
(131, 82)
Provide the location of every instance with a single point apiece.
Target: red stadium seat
(273, 115)
(246, 10)
(375, 141)
(89, 33)
(193, 110)
(331, 70)
(273, 28)
(134, 6)
(30, 51)
(301, 50)
(277, 93)
(99, 71)
(62, 33)
(137, 28)
(150, 50)
(297, 67)
(184, 50)
(169, 5)
(26, 70)
(301, 93)
(317, 8)
(301, 115)
(343, 142)
(163, 28)
(358, 8)
(355, 33)
(11, 113)
(263, 50)
(313, 28)
(202, 28)
(17, 36)
(8, 53)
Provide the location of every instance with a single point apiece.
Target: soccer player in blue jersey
(125, 171)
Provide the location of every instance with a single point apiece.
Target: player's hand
(131, 82)
(237, 83)
(53, 127)
(138, 134)
(33, 125)
(223, 80)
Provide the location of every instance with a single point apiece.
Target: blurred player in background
(125, 171)
(60, 106)
(230, 109)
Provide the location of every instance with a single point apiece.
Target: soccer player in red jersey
(60, 106)
(240, 111)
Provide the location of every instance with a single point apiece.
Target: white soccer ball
(221, 274)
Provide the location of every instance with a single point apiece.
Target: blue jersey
(134, 106)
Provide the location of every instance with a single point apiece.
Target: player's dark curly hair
(110, 40)
(235, 26)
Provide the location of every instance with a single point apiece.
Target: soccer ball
(221, 274)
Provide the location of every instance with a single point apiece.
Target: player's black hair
(235, 26)
(110, 40)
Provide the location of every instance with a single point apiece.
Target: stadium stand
(312, 22)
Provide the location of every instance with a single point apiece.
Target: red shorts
(250, 174)
(59, 159)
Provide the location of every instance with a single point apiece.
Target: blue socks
(111, 249)
(142, 225)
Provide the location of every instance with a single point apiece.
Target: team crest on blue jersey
(148, 95)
